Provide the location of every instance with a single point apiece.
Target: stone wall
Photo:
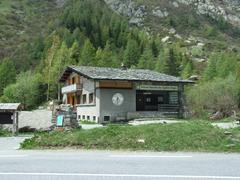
(38, 119)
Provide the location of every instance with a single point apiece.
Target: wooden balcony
(72, 88)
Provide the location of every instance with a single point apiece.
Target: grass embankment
(4, 132)
(190, 136)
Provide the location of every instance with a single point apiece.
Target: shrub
(4, 132)
(217, 95)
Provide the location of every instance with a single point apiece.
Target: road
(117, 165)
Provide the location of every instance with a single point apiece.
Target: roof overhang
(10, 106)
(70, 70)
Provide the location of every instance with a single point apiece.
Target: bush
(217, 95)
(4, 132)
(26, 90)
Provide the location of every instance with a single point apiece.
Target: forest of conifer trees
(90, 34)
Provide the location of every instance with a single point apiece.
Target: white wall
(87, 109)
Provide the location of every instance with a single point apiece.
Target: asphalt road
(99, 165)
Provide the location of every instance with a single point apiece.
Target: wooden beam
(116, 84)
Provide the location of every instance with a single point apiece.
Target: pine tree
(154, 48)
(105, 56)
(7, 74)
(172, 63)
(226, 63)
(187, 71)
(74, 54)
(211, 71)
(131, 53)
(88, 54)
(147, 59)
(169, 62)
(161, 65)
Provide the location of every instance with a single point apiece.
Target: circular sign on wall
(117, 99)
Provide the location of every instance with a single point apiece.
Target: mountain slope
(208, 19)
(21, 22)
(171, 37)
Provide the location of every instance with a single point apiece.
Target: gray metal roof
(104, 73)
(9, 106)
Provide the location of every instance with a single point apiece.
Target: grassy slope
(191, 136)
(21, 21)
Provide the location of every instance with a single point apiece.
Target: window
(73, 80)
(90, 98)
(160, 99)
(94, 118)
(84, 98)
(148, 99)
(73, 101)
(68, 100)
(79, 116)
(83, 117)
(78, 99)
(106, 118)
(173, 98)
(88, 117)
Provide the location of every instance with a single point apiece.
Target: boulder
(175, 4)
(165, 39)
(216, 116)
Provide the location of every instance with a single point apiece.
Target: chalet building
(110, 94)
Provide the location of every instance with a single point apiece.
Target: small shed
(9, 115)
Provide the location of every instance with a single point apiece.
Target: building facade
(111, 94)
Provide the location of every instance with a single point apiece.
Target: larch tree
(106, 56)
(131, 53)
(211, 70)
(7, 74)
(49, 63)
(88, 54)
(146, 60)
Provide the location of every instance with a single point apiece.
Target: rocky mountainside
(202, 26)
(138, 10)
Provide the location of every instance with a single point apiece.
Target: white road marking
(13, 156)
(147, 156)
(120, 175)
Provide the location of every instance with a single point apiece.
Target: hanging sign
(157, 88)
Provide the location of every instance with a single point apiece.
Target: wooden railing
(71, 88)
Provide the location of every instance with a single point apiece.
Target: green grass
(190, 136)
(87, 122)
(4, 132)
